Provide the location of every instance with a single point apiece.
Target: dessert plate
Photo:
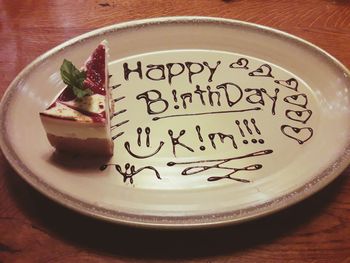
(216, 121)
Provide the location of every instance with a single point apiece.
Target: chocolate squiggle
(218, 165)
(130, 171)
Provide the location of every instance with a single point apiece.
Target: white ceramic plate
(221, 121)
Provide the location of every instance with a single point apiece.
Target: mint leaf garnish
(81, 92)
(74, 78)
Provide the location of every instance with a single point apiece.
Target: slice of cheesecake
(78, 119)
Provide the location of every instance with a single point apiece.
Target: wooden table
(35, 229)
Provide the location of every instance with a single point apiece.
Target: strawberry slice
(95, 71)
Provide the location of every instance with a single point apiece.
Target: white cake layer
(73, 129)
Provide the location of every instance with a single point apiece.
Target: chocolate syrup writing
(205, 95)
(130, 171)
(218, 164)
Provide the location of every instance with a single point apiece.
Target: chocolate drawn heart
(291, 83)
(301, 116)
(298, 100)
(263, 71)
(301, 135)
(240, 63)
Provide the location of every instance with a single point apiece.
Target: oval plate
(217, 121)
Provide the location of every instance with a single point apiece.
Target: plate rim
(310, 187)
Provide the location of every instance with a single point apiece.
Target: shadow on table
(105, 238)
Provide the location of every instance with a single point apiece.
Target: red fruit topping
(67, 95)
(95, 71)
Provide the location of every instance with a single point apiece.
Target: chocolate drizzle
(171, 74)
(273, 98)
(258, 95)
(176, 141)
(245, 122)
(301, 116)
(239, 127)
(183, 97)
(118, 99)
(255, 127)
(205, 113)
(225, 86)
(263, 71)
(174, 95)
(222, 137)
(252, 167)
(212, 70)
(198, 129)
(150, 101)
(211, 95)
(130, 171)
(298, 100)
(118, 113)
(241, 63)
(291, 83)
(148, 131)
(127, 147)
(170, 98)
(293, 132)
(119, 124)
(139, 132)
(218, 165)
(116, 86)
(118, 135)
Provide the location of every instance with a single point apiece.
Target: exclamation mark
(241, 131)
(198, 129)
(247, 126)
(148, 131)
(139, 131)
(175, 99)
(256, 128)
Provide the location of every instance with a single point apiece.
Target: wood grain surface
(35, 229)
